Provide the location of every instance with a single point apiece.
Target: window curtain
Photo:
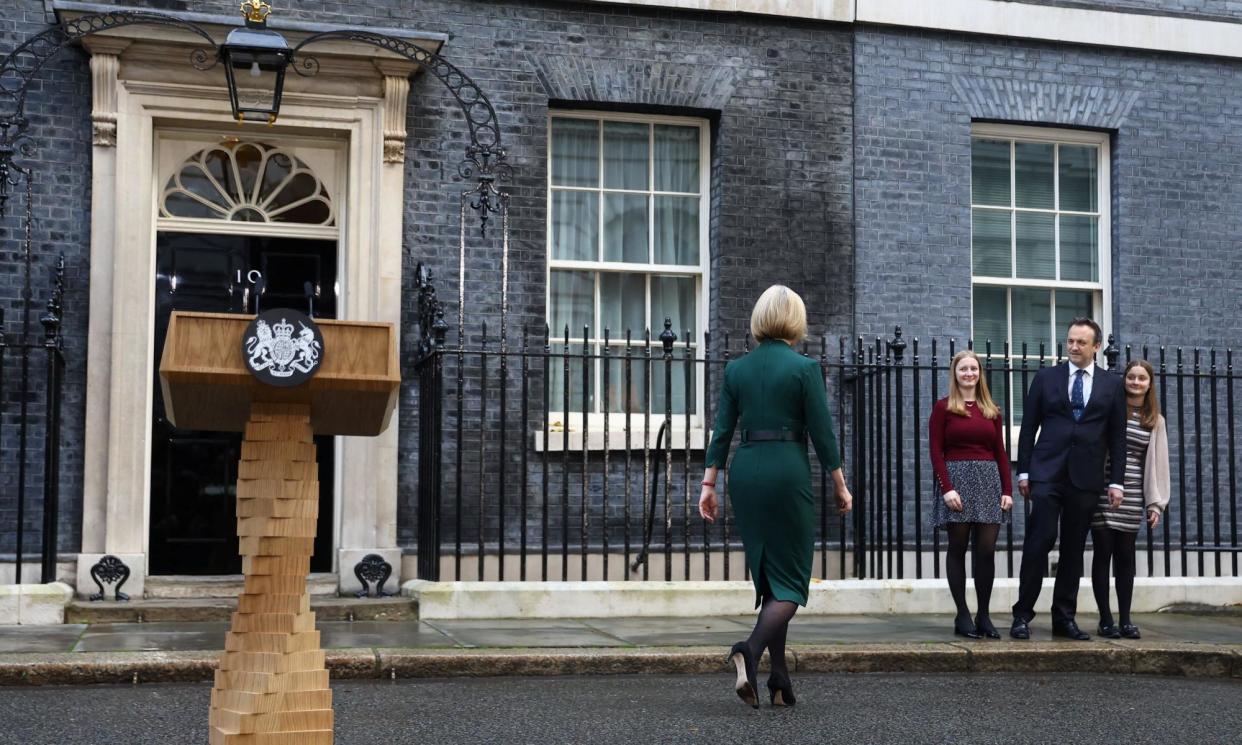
(575, 214)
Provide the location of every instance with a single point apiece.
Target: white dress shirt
(1087, 379)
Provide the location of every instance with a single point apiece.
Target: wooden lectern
(271, 687)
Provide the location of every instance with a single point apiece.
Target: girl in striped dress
(1114, 530)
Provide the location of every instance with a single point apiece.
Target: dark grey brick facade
(840, 164)
(1177, 277)
(776, 91)
(59, 108)
(1176, 272)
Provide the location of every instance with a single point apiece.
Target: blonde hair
(983, 399)
(779, 314)
(1149, 412)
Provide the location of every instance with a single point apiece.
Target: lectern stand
(271, 687)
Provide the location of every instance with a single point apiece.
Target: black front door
(193, 473)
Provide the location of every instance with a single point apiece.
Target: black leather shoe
(963, 627)
(780, 691)
(1109, 630)
(1130, 631)
(747, 686)
(1070, 630)
(985, 627)
(1020, 629)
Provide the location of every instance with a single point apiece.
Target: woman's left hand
(1153, 518)
(1006, 502)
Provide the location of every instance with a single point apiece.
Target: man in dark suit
(1079, 412)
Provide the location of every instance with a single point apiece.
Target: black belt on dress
(772, 435)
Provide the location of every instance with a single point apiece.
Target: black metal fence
(555, 458)
(32, 371)
(895, 384)
(520, 458)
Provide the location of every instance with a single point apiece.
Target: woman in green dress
(778, 396)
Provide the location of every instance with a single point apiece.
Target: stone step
(223, 586)
(152, 610)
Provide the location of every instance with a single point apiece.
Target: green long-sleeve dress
(774, 388)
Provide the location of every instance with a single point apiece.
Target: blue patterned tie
(1076, 402)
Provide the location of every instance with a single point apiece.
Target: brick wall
(795, 161)
(1174, 154)
(777, 93)
(59, 108)
(1176, 271)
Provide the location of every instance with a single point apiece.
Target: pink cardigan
(1156, 488)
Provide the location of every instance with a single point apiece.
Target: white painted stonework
(144, 89)
(33, 605)
(1011, 18)
(820, 10)
(459, 600)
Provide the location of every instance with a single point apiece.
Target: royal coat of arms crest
(280, 353)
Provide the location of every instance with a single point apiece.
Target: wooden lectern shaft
(271, 687)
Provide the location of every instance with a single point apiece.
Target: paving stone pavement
(1221, 629)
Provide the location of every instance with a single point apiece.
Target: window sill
(593, 440)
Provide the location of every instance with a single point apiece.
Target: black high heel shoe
(963, 627)
(747, 686)
(781, 694)
(1130, 631)
(1109, 630)
(983, 624)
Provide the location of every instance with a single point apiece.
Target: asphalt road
(1054, 708)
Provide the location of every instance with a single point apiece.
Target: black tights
(985, 564)
(770, 631)
(1117, 545)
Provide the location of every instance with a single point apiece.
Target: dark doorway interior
(193, 473)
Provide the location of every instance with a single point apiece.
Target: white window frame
(592, 437)
(326, 159)
(1102, 310)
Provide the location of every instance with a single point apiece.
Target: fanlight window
(247, 182)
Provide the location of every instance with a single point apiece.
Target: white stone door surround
(144, 85)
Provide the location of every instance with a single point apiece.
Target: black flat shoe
(963, 627)
(747, 686)
(1130, 631)
(984, 625)
(1070, 630)
(1109, 631)
(780, 693)
(1020, 629)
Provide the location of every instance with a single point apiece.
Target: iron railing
(554, 459)
(517, 461)
(30, 410)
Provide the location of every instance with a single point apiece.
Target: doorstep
(172, 586)
(159, 610)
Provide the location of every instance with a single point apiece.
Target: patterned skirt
(978, 483)
(1127, 518)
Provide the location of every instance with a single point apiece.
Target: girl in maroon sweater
(974, 492)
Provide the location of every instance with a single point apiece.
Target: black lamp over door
(255, 59)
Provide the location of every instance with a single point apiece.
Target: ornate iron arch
(19, 67)
(485, 157)
(484, 162)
